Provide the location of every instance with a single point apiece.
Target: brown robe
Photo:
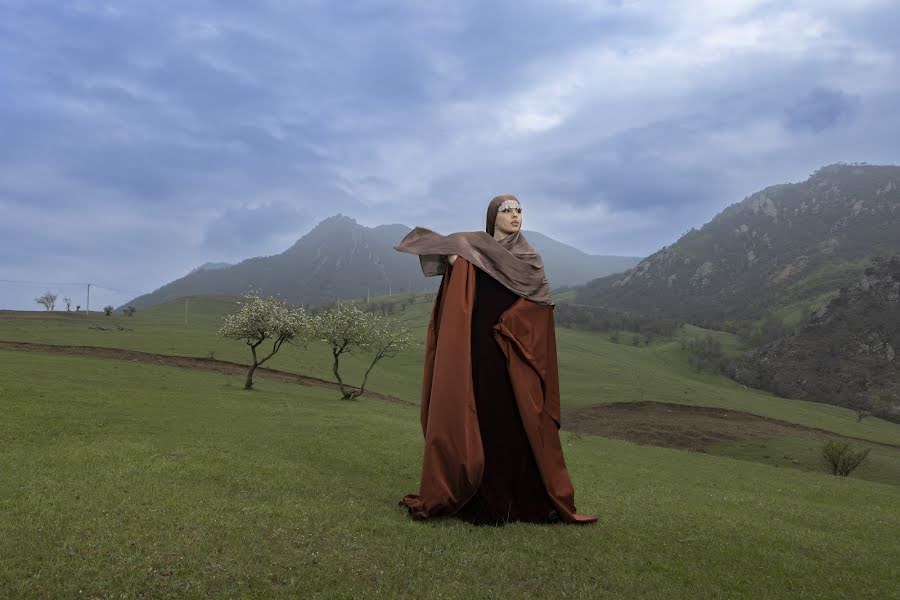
(453, 462)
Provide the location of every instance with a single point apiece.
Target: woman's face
(509, 219)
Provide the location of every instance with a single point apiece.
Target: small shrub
(107, 310)
(841, 458)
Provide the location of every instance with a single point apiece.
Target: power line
(111, 289)
(24, 283)
(42, 282)
(28, 285)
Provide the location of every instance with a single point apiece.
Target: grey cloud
(251, 123)
(820, 109)
(248, 228)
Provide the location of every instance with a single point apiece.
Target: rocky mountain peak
(810, 238)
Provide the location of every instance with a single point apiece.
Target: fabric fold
(511, 261)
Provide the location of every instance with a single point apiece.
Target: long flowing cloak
(453, 462)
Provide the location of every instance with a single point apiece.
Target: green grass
(830, 276)
(567, 296)
(162, 329)
(792, 314)
(127, 480)
(731, 344)
(881, 465)
(592, 369)
(817, 288)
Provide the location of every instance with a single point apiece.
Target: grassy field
(881, 465)
(129, 480)
(592, 368)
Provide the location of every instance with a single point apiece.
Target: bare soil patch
(687, 427)
(188, 362)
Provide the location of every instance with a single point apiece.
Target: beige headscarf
(511, 261)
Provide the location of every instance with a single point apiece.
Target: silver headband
(509, 205)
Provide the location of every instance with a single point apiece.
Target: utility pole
(186, 298)
(389, 287)
(88, 311)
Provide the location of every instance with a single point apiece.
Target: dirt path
(188, 362)
(686, 427)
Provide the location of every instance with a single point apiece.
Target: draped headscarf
(511, 261)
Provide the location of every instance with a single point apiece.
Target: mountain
(341, 259)
(788, 247)
(568, 266)
(849, 354)
(211, 266)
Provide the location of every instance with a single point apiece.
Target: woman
(490, 392)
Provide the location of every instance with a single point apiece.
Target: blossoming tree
(345, 328)
(260, 319)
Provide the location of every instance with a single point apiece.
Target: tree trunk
(346, 393)
(366, 378)
(249, 384)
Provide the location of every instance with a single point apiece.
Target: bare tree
(260, 319)
(47, 300)
(68, 302)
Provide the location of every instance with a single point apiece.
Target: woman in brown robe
(492, 449)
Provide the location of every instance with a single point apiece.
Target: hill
(846, 354)
(788, 247)
(568, 266)
(341, 259)
(594, 371)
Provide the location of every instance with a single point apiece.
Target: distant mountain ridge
(787, 244)
(568, 266)
(340, 258)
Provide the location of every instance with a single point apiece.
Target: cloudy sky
(140, 139)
